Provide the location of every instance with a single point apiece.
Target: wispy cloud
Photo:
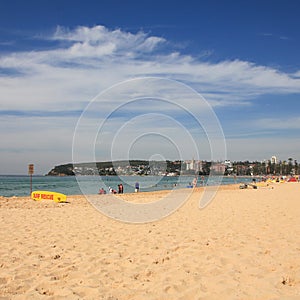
(291, 123)
(40, 85)
(7, 43)
(100, 57)
(250, 148)
(275, 36)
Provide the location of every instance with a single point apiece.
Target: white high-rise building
(190, 164)
(273, 159)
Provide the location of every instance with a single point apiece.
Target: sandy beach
(244, 245)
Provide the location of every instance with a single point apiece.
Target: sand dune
(243, 245)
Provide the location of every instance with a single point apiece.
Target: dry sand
(244, 245)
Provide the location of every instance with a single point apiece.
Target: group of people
(102, 191)
(196, 183)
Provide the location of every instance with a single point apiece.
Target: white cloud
(263, 148)
(296, 75)
(279, 123)
(88, 60)
(100, 57)
(98, 41)
(41, 140)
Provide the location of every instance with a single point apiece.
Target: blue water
(20, 185)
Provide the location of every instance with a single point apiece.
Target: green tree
(290, 166)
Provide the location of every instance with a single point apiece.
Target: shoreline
(231, 186)
(20, 186)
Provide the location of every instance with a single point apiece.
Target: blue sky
(56, 56)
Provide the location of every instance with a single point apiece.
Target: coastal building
(273, 160)
(228, 166)
(228, 163)
(190, 164)
(218, 168)
(194, 165)
(199, 166)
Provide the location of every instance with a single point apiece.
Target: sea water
(70, 185)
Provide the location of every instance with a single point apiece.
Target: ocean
(11, 185)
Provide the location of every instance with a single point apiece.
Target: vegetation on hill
(144, 167)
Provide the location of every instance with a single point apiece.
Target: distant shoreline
(19, 185)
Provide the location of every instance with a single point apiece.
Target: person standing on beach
(137, 187)
(121, 189)
(195, 182)
(202, 180)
